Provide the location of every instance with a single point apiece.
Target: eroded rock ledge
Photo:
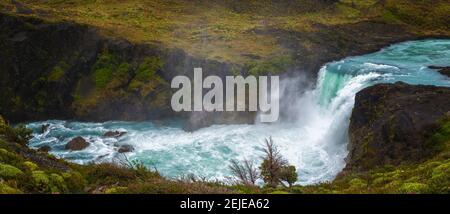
(391, 124)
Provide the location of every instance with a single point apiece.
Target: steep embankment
(66, 70)
(393, 124)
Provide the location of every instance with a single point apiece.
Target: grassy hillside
(228, 30)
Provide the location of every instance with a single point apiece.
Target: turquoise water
(314, 140)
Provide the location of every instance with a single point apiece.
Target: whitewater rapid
(314, 139)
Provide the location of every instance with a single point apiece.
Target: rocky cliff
(67, 70)
(393, 124)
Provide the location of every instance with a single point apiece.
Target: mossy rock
(30, 165)
(358, 183)
(115, 190)
(104, 68)
(440, 178)
(146, 79)
(8, 171)
(40, 179)
(279, 192)
(58, 72)
(413, 188)
(5, 189)
(57, 184)
(74, 181)
(381, 181)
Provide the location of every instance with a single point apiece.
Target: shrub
(40, 181)
(413, 188)
(245, 173)
(19, 134)
(5, 189)
(8, 171)
(288, 174)
(74, 181)
(274, 168)
(30, 165)
(108, 173)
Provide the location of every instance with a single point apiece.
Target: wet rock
(198, 120)
(45, 148)
(390, 124)
(44, 128)
(77, 144)
(444, 70)
(115, 134)
(125, 148)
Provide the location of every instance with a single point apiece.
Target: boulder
(125, 148)
(391, 124)
(44, 128)
(115, 134)
(45, 148)
(441, 69)
(77, 144)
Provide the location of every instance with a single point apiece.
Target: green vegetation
(274, 65)
(20, 134)
(104, 69)
(146, 79)
(58, 72)
(113, 78)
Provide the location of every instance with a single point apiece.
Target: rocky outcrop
(125, 148)
(77, 144)
(391, 124)
(114, 134)
(441, 69)
(45, 149)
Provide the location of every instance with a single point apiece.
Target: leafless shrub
(245, 173)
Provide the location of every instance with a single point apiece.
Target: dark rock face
(443, 70)
(115, 134)
(69, 71)
(45, 149)
(77, 144)
(125, 148)
(390, 124)
(44, 128)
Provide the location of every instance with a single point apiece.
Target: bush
(108, 173)
(5, 189)
(19, 134)
(8, 171)
(288, 174)
(274, 168)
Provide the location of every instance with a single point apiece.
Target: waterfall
(314, 139)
